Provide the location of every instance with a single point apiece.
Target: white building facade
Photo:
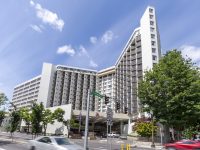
(141, 52)
(106, 86)
(60, 85)
(26, 93)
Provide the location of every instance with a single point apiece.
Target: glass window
(153, 50)
(150, 10)
(153, 43)
(151, 23)
(62, 141)
(154, 57)
(152, 29)
(153, 36)
(45, 140)
(151, 16)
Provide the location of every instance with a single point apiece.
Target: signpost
(94, 93)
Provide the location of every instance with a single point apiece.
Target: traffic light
(125, 110)
(117, 105)
(106, 99)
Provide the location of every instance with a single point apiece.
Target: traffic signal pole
(86, 122)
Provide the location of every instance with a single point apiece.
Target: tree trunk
(28, 127)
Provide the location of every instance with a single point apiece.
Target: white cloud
(36, 28)
(93, 39)
(107, 37)
(48, 16)
(83, 51)
(93, 64)
(32, 3)
(192, 52)
(66, 49)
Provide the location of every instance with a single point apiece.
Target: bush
(144, 129)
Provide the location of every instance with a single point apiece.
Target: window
(154, 57)
(152, 29)
(45, 140)
(153, 36)
(153, 50)
(151, 16)
(151, 23)
(153, 43)
(150, 10)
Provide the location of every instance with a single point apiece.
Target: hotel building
(61, 85)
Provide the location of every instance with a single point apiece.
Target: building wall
(26, 93)
(70, 86)
(141, 52)
(150, 39)
(106, 86)
(47, 76)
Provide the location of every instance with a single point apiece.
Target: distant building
(26, 93)
(106, 86)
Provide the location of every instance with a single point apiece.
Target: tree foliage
(15, 120)
(3, 99)
(36, 120)
(26, 115)
(47, 117)
(2, 116)
(171, 91)
(144, 128)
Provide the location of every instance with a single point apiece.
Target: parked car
(183, 145)
(112, 134)
(123, 137)
(52, 143)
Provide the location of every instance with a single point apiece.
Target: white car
(53, 143)
(115, 135)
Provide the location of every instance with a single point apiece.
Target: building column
(121, 127)
(129, 125)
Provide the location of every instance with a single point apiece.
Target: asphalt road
(21, 143)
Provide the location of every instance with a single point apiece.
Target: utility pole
(86, 122)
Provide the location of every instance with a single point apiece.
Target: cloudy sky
(85, 33)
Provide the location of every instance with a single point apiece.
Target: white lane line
(2, 149)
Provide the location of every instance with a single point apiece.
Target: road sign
(97, 94)
(109, 114)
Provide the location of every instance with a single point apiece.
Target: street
(21, 143)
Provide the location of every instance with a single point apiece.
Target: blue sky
(85, 33)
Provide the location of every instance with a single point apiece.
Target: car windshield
(62, 141)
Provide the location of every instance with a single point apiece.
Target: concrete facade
(26, 93)
(106, 86)
(141, 52)
(60, 85)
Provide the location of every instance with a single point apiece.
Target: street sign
(109, 114)
(96, 94)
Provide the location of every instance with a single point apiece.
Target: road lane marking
(2, 149)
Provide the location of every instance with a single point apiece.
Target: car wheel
(171, 148)
(32, 148)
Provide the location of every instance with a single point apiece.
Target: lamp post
(152, 123)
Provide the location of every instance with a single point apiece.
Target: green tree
(3, 99)
(2, 116)
(36, 116)
(47, 117)
(25, 114)
(14, 121)
(59, 114)
(144, 129)
(171, 91)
